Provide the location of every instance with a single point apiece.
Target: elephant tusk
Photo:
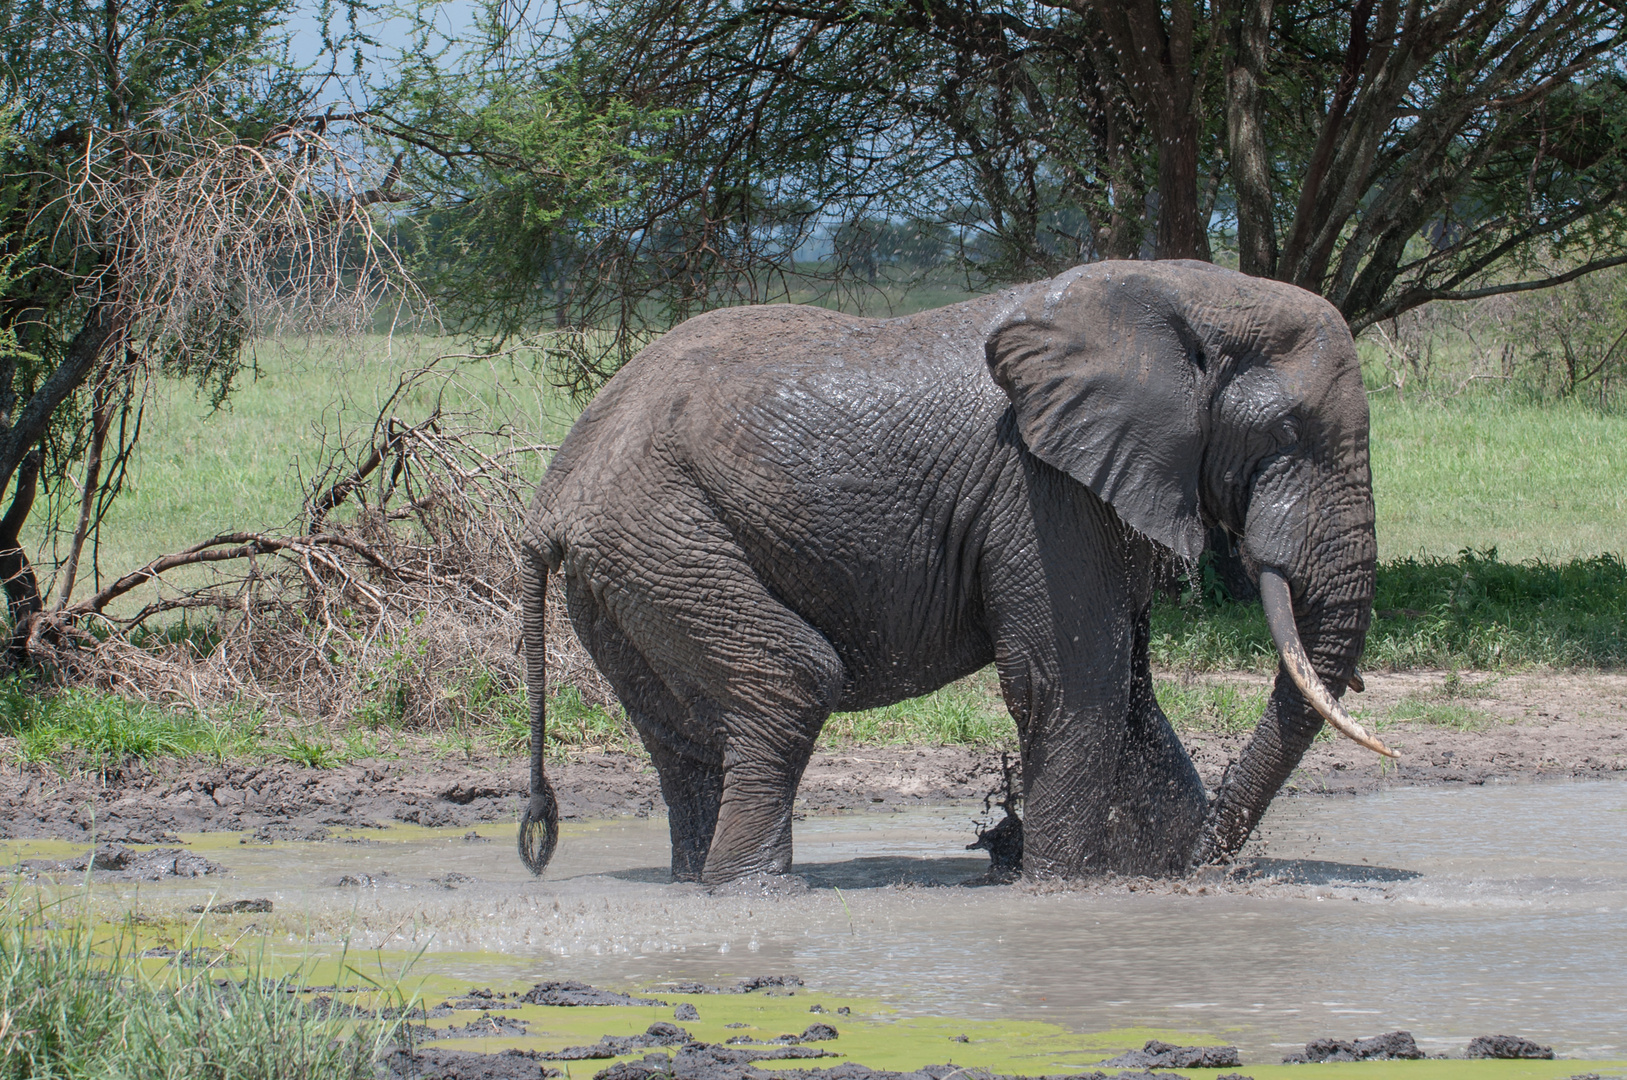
(1355, 683)
(1279, 615)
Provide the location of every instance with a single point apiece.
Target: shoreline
(1503, 729)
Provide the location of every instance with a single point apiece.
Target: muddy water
(1449, 912)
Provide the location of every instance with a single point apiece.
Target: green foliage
(1474, 611)
(101, 731)
(1566, 344)
(84, 113)
(574, 724)
(313, 749)
(1479, 612)
(1220, 707)
(514, 170)
(74, 1006)
(168, 193)
(968, 712)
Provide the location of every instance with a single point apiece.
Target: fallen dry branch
(398, 602)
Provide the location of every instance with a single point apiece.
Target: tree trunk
(1250, 31)
(1183, 231)
(101, 418)
(22, 587)
(1157, 58)
(34, 418)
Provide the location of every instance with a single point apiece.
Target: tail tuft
(539, 829)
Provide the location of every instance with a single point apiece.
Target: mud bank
(1515, 728)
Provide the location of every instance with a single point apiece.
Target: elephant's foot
(727, 863)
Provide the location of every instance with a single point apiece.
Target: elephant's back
(846, 460)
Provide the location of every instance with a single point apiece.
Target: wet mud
(282, 802)
(1531, 728)
(1449, 911)
(116, 862)
(681, 1056)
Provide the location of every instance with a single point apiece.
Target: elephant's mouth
(1278, 602)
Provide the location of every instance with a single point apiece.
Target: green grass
(200, 471)
(971, 712)
(1476, 471)
(966, 712)
(1479, 471)
(101, 731)
(1542, 486)
(1217, 707)
(1474, 611)
(77, 1005)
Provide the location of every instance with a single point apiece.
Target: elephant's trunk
(1320, 634)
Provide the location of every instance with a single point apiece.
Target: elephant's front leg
(1072, 737)
(1160, 802)
(1106, 784)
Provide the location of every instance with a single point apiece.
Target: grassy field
(1478, 473)
(77, 1000)
(200, 471)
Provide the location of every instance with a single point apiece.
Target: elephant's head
(1186, 395)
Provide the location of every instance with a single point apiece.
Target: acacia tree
(1384, 153)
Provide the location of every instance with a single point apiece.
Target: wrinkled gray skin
(776, 512)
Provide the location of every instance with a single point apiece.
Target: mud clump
(699, 1066)
(744, 986)
(233, 907)
(483, 1000)
(1163, 1055)
(657, 1034)
(285, 831)
(708, 1061)
(1394, 1046)
(686, 1011)
(484, 1027)
(814, 1033)
(117, 862)
(570, 992)
(1507, 1046)
(451, 880)
(434, 1063)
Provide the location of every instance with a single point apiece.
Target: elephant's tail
(539, 828)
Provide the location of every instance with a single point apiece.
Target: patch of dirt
(1535, 726)
(1508, 728)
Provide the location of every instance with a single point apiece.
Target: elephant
(775, 512)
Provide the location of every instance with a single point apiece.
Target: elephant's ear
(1105, 379)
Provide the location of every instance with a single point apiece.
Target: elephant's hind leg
(691, 774)
(773, 681)
(755, 678)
